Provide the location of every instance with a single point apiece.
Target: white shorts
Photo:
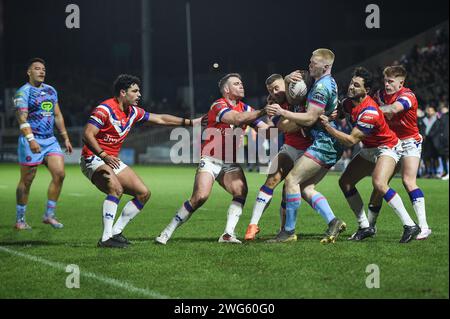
(372, 154)
(411, 147)
(293, 153)
(90, 164)
(215, 166)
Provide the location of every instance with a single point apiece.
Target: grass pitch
(194, 265)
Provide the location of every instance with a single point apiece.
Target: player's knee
(198, 200)
(59, 176)
(379, 185)
(240, 189)
(409, 183)
(116, 189)
(144, 196)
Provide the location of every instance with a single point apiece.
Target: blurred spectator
(431, 133)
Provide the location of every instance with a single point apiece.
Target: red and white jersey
(369, 119)
(296, 139)
(404, 123)
(212, 145)
(114, 125)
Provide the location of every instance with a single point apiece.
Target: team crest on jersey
(47, 107)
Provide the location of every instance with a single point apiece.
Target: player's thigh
(356, 170)
(409, 168)
(304, 169)
(132, 184)
(106, 180)
(203, 184)
(55, 165)
(283, 165)
(382, 173)
(234, 182)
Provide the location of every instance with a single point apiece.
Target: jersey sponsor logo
(110, 139)
(47, 107)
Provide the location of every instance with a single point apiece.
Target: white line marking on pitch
(76, 194)
(106, 280)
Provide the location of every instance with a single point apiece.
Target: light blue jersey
(40, 104)
(325, 149)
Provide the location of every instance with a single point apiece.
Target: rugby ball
(297, 89)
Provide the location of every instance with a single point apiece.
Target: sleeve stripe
(405, 102)
(321, 105)
(98, 125)
(99, 121)
(146, 117)
(257, 122)
(365, 130)
(221, 114)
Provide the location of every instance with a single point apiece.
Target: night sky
(253, 37)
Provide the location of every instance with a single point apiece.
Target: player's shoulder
(219, 104)
(24, 89)
(48, 87)
(406, 92)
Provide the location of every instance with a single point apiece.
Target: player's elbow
(350, 142)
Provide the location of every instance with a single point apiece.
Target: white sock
(373, 214)
(262, 200)
(394, 200)
(182, 216)
(131, 209)
(109, 212)
(234, 212)
(418, 202)
(357, 205)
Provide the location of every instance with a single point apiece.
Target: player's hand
(324, 120)
(112, 161)
(274, 109)
(389, 116)
(69, 147)
(333, 115)
(34, 146)
(294, 77)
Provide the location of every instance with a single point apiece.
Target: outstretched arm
(390, 110)
(355, 136)
(242, 118)
(302, 119)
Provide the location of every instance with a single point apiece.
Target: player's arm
(285, 125)
(21, 104)
(59, 122)
(89, 133)
(391, 109)
(232, 117)
(348, 140)
(302, 119)
(170, 120)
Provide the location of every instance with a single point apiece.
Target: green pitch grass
(194, 265)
